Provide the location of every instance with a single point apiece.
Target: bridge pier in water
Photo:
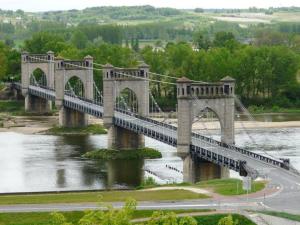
(194, 98)
(37, 105)
(121, 138)
(116, 80)
(72, 118)
(195, 170)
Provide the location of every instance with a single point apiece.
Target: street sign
(247, 181)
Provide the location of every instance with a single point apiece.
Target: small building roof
(88, 57)
(50, 52)
(143, 64)
(183, 80)
(228, 79)
(59, 57)
(108, 65)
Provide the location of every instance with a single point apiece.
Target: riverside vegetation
(112, 154)
(90, 129)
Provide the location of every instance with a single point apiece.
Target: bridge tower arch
(194, 97)
(29, 64)
(115, 80)
(65, 71)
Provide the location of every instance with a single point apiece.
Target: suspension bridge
(130, 112)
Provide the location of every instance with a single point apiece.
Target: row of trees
(124, 216)
(266, 73)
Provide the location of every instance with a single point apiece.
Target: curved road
(285, 198)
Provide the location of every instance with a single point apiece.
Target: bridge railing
(242, 151)
(37, 58)
(68, 93)
(214, 142)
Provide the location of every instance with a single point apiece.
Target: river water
(31, 163)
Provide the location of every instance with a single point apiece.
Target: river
(34, 163)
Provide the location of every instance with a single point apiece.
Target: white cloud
(45, 5)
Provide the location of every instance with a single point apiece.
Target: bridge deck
(201, 146)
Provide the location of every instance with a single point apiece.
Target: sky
(47, 5)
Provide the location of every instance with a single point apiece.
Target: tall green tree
(79, 39)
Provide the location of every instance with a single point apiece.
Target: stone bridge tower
(64, 71)
(192, 99)
(114, 82)
(31, 63)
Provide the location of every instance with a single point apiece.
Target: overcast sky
(46, 5)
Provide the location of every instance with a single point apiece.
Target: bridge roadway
(287, 181)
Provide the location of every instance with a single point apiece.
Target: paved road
(285, 198)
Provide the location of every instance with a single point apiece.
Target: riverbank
(40, 124)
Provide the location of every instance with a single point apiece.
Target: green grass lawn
(90, 129)
(43, 218)
(213, 219)
(11, 106)
(285, 215)
(105, 196)
(230, 186)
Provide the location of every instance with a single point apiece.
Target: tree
(158, 218)
(79, 39)
(42, 42)
(200, 41)
(221, 38)
(199, 10)
(227, 221)
(3, 60)
(123, 216)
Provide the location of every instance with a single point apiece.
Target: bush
(112, 154)
(90, 129)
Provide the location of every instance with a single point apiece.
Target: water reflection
(125, 173)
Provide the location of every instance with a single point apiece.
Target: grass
(274, 109)
(16, 108)
(42, 218)
(111, 154)
(214, 219)
(284, 215)
(230, 186)
(105, 196)
(90, 129)
(10, 106)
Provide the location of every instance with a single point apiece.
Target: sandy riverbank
(38, 124)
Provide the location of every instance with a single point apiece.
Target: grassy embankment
(225, 187)
(105, 196)
(274, 109)
(214, 219)
(230, 186)
(90, 129)
(43, 218)
(16, 108)
(12, 107)
(111, 154)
